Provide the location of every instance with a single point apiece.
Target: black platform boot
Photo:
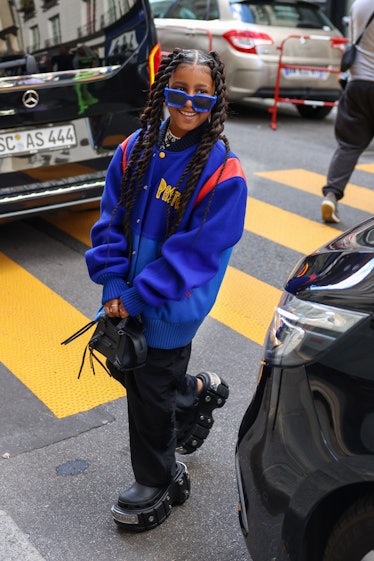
(142, 508)
(213, 395)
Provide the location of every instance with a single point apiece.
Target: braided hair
(150, 125)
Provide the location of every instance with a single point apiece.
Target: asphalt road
(59, 474)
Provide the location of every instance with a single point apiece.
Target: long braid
(209, 138)
(142, 152)
(150, 124)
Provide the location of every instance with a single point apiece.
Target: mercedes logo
(30, 99)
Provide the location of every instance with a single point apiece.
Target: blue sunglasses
(200, 102)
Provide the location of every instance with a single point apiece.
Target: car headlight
(301, 330)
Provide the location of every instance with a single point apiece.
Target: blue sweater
(173, 284)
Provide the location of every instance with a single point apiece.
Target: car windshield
(32, 46)
(280, 15)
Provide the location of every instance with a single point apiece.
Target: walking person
(354, 126)
(172, 209)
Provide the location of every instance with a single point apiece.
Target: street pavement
(59, 477)
(14, 543)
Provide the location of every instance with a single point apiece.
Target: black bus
(73, 81)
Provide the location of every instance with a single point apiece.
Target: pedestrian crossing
(310, 182)
(244, 304)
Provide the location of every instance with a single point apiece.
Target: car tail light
(338, 41)
(301, 330)
(247, 41)
(154, 60)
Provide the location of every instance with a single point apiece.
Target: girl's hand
(115, 309)
(122, 310)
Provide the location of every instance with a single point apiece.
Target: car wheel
(352, 538)
(313, 111)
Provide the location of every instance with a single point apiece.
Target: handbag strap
(139, 342)
(134, 330)
(79, 332)
(366, 26)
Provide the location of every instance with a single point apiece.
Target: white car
(250, 36)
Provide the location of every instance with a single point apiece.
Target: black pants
(354, 130)
(158, 395)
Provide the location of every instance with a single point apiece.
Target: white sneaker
(329, 208)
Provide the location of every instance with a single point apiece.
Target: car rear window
(279, 15)
(185, 9)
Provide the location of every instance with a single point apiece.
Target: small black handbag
(121, 341)
(348, 58)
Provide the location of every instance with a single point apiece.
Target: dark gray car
(305, 452)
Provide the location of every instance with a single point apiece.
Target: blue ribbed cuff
(133, 302)
(113, 288)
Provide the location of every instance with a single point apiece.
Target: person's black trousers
(354, 130)
(158, 395)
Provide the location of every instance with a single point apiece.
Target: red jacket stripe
(232, 169)
(124, 147)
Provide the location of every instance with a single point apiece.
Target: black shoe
(329, 209)
(139, 496)
(142, 508)
(213, 395)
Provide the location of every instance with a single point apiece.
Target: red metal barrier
(336, 42)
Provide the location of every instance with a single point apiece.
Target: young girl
(172, 209)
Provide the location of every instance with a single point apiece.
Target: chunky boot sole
(213, 396)
(148, 516)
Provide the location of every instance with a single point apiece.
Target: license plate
(304, 73)
(33, 140)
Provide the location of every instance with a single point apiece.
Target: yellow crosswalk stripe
(311, 182)
(286, 228)
(245, 304)
(76, 224)
(31, 348)
(366, 167)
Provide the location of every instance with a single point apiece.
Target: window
(212, 10)
(55, 30)
(185, 9)
(27, 6)
(35, 37)
(112, 12)
(49, 4)
(280, 15)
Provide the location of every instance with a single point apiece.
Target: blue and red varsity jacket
(172, 283)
